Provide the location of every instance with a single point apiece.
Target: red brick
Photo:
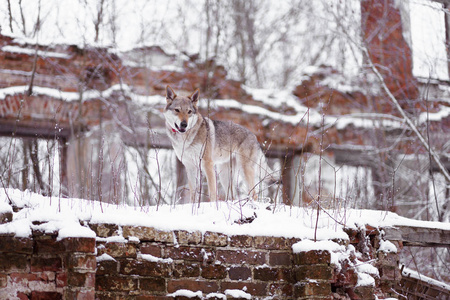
(81, 262)
(240, 273)
(186, 237)
(81, 279)
(152, 284)
(22, 296)
(192, 285)
(115, 283)
(105, 230)
(280, 259)
(312, 288)
(390, 274)
(152, 249)
(184, 253)
(117, 250)
(214, 271)
(281, 289)
(388, 259)
(241, 241)
(48, 244)
(13, 262)
(86, 245)
(45, 296)
(215, 239)
(28, 277)
(79, 294)
(148, 234)
(107, 267)
(61, 279)
(241, 257)
(16, 245)
(144, 268)
(266, 274)
(106, 295)
(312, 257)
(322, 272)
(186, 270)
(255, 289)
(364, 292)
(39, 264)
(270, 243)
(346, 277)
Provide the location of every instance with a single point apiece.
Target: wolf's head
(181, 113)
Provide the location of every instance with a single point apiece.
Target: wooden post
(63, 166)
(286, 177)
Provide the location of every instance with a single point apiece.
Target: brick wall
(133, 262)
(41, 267)
(163, 263)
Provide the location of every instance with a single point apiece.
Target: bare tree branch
(406, 118)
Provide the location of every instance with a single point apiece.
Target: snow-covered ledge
(52, 246)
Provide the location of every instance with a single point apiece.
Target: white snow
(104, 257)
(308, 245)
(74, 230)
(31, 52)
(387, 246)
(238, 294)
(414, 274)
(365, 280)
(366, 267)
(65, 216)
(337, 251)
(151, 258)
(428, 39)
(5, 208)
(216, 296)
(303, 114)
(186, 293)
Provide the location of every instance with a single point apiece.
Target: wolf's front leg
(208, 167)
(194, 181)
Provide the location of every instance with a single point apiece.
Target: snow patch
(151, 258)
(365, 280)
(65, 216)
(104, 257)
(32, 52)
(406, 272)
(238, 294)
(5, 208)
(216, 296)
(186, 293)
(75, 230)
(387, 246)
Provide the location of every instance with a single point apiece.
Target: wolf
(206, 146)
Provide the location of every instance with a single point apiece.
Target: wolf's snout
(183, 124)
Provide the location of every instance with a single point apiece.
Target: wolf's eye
(190, 111)
(177, 110)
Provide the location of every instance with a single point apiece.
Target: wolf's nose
(183, 124)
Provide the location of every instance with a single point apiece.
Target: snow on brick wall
(137, 260)
(142, 262)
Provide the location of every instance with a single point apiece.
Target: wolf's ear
(194, 96)
(170, 94)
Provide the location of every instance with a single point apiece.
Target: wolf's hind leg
(248, 164)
